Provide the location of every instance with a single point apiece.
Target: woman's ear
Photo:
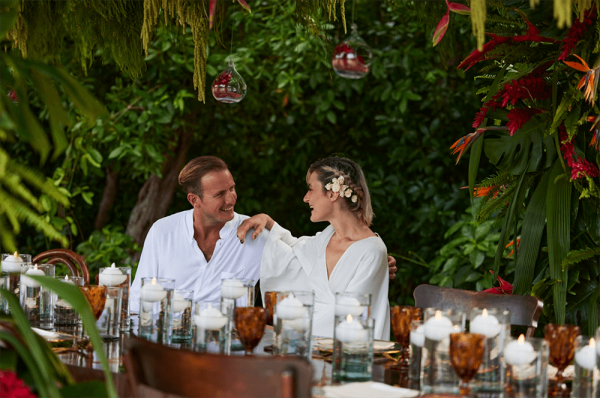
(332, 195)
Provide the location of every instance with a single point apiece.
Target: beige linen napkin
(368, 389)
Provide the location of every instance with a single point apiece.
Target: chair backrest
(524, 310)
(75, 262)
(191, 374)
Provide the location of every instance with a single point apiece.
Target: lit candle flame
(349, 318)
(484, 313)
(592, 342)
(16, 254)
(66, 277)
(154, 281)
(438, 315)
(521, 339)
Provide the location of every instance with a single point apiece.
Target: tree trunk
(156, 193)
(108, 198)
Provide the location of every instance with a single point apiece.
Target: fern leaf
(38, 181)
(576, 256)
(13, 182)
(7, 239)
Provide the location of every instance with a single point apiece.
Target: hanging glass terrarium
(229, 86)
(352, 57)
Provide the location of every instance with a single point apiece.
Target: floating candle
(348, 305)
(485, 324)
(439, 327)
(350, 331)
(586, 356)
(232, 289)
(63, 304)
(301, 323)
(153, 292)
(111, 276)
(27, 281)
(519, 352)
(417, 336)
(12, 263)
(210, 318)
(290, 308)
(179, 303)
(67, 280)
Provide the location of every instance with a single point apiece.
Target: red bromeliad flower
(580, 167)
(519, 116)
(529, 87)
(491, 104)
(13, 387)
(576, 32)
(589, 82)
(504, 288)
(595, 143)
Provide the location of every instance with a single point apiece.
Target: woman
(345, 257)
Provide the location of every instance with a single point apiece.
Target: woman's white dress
(290, 263)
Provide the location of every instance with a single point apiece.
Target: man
(199, 247)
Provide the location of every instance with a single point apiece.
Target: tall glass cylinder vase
(585, 382)
(352, 338)
(437, 374)
(13, 265)
(526, 367)
(119, 277)
(156, 296)
(64, 313)
(211, 328)
(494, 324)
(109, 323)
(417, 341)
(235, 293)
(36, 301)
(293, 323)
(183, 301)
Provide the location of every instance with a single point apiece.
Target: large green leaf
(528, 150)
(532, 230)
(9, 13)
(580, 311)
(558, 204)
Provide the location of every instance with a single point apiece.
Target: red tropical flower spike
(504, 288)
(517, 117)
(441, 28)
(576, 32)
(11, 386)
(211, 13)
(458, 8)
(245, 5)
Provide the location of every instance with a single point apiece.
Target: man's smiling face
(218, 200)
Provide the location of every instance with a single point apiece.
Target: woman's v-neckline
(328, 277)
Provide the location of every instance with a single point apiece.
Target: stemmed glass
(250, 323)
(402, 316)
(466, 355)
(561, 339)
(96, 296)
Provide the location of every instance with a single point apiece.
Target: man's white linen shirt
(170, 251)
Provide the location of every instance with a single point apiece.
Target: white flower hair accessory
(337, 185)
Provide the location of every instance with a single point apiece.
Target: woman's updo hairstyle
(334, 167)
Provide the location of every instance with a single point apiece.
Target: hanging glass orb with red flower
(229, 86)
(352, 57)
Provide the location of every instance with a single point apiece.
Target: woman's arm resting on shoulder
(257, 222)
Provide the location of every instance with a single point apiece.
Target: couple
(199, 247)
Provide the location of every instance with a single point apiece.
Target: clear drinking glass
(36, 301)
(235, 293)
(155, 321)
(211, 328)
(293, 323)
(437, 374)
(109, 323)
(494, 324)
(586, 371)
(121, 277)
(352, 338)
(526, 367)
(417, 341)
(4, 283)
(64, 314)
(183, 301)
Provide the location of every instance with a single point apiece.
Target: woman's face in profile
(318, 200)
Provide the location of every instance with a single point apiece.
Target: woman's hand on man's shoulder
(258, 223)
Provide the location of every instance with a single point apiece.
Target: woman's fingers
(243, 229)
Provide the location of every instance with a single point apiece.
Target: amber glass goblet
(250, 323)
(270, 301)
(466, 355)
(96, 296)
(561, 341)
(402, 316)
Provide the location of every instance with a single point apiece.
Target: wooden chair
(524, 310)
(161, 371)
(75, 262)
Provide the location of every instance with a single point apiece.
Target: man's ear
(193, 199)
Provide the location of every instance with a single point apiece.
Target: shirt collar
(223, 233)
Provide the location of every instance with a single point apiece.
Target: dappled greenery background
(398, 123)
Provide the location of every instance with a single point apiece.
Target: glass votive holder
(417, 341)
(437, 374)
(494, 324)
(109, 323)
(121, 277)
(293, 323)
(4, 283)
(211, 328)
(14, 264)
(155, 319)
(586, 371)
(64, 314)
(235, 293)
(526, 367)
(182, 306)
(353, 348)
(36, 301)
